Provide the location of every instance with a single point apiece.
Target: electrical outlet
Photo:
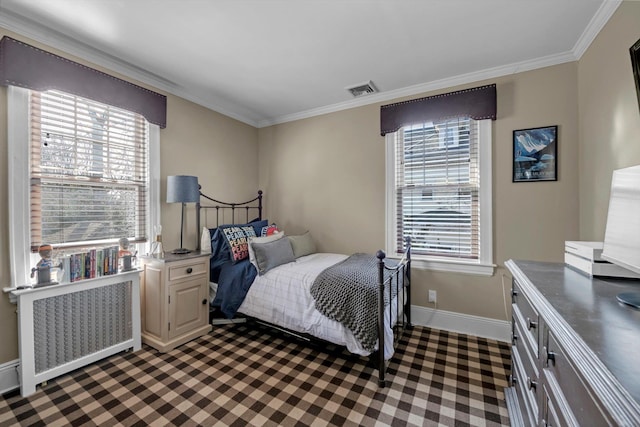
(433, 297)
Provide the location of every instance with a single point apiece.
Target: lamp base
(181, 251)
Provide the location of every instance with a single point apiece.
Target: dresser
(575, 349)
(175, 299)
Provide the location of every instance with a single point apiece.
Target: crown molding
(602, 16)
(599, 20)
(37, 32)
(462, 79)
(47, 36)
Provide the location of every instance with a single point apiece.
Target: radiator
(66, 326)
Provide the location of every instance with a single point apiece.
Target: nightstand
(174, 295)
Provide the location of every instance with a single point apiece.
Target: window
(439, 194)
(88, 168)
(80, 175)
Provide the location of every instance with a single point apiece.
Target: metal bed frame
(399, 275)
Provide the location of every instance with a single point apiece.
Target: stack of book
(90, 264)
(586, 258)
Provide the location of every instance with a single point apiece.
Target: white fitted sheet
(282, 297)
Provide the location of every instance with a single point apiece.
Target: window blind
(88, 172)
(437, 188)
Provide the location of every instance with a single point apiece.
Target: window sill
(454, 267)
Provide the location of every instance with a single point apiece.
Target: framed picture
(535, 154)
(635, 64)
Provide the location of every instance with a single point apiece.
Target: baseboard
(9, 379)
(499, 330)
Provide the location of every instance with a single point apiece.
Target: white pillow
(205, 241)
(265, 239)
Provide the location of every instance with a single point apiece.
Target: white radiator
(66, 326)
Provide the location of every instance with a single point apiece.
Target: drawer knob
(189, 270)
(531, 324)
(551, 356)
(514, 380)
(204, 301)
(531, 384)
(514, 339)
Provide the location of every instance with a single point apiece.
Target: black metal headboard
(253, 205)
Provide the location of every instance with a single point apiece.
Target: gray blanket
(348, 293)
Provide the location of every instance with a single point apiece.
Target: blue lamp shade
(183, 189)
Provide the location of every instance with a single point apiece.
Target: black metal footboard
(396, 277)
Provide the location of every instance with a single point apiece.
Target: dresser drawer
(526, 397)
(555, 411)
(184, 270)
(550, 415)
(575, 395)
(526, 316)
(528, 358)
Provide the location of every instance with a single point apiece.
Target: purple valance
(29, 67)
(478, 103)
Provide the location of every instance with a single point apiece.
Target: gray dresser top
(589, 306)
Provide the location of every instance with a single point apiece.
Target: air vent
(362, 89)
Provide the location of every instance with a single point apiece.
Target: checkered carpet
(240, 375)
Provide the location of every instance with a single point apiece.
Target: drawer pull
(204, 301)
(514, 339)
(514, 293)
(531, 324)
(531, 384)
(551, 356)
(189, 270)
(514, 380)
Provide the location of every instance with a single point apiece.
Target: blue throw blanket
(233, 284)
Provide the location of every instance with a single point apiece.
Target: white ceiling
(271, 61)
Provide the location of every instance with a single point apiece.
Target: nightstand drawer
(186, 270)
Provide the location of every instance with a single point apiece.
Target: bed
(258, 272)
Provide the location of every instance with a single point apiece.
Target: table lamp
(182, 189)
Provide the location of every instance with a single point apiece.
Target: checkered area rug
(242, 375)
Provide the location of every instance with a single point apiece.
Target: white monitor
(622, 235)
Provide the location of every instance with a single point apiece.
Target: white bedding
(282, 297)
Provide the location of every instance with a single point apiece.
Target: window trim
(19, 193)
(484, 266)
(18, 150)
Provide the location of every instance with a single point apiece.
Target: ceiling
(271, 61)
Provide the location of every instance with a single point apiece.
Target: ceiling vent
(362, 89)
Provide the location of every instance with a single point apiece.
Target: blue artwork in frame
(535, 154)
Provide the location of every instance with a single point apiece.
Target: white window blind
(437, 184)
(88, 170)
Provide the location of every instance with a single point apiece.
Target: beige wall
(609, 116)
(221, 151)
(327, 174)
